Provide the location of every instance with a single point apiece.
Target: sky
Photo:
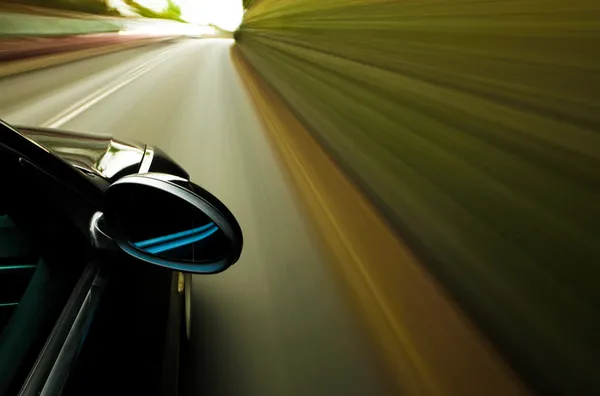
(226, 14)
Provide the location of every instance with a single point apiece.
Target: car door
(52, 283)
(45, 260)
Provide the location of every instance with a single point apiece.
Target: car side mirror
(171, 222)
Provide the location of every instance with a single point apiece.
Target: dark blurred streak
(202, 367)
(21, 48)
(474, 127)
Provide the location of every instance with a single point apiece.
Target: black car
(98, 238)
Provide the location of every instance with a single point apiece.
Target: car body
(76, 319)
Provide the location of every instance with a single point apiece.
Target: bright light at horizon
(226, 14)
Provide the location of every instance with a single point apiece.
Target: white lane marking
(87, 102)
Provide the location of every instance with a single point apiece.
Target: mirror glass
(168, 227)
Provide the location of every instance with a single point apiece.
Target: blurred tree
(172, 11)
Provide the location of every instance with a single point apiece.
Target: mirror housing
(171, 222)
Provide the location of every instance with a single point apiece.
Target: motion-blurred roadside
(473, 129)
(32, 36)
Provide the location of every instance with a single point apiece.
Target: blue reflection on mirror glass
(165, 226)
(172, 241)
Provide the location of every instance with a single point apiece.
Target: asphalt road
(275, 323)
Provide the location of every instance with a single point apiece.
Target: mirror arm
(100, 239)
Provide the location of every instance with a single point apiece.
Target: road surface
(274, 323)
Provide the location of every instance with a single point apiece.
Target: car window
(32, 295)
(22, 282)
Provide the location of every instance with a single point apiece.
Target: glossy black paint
(101, 155)
(53, 182)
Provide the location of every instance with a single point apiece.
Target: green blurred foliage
(88, 6)
(172, 11)
(21, 25)
(475, 128)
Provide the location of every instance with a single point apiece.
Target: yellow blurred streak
(430, 346)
